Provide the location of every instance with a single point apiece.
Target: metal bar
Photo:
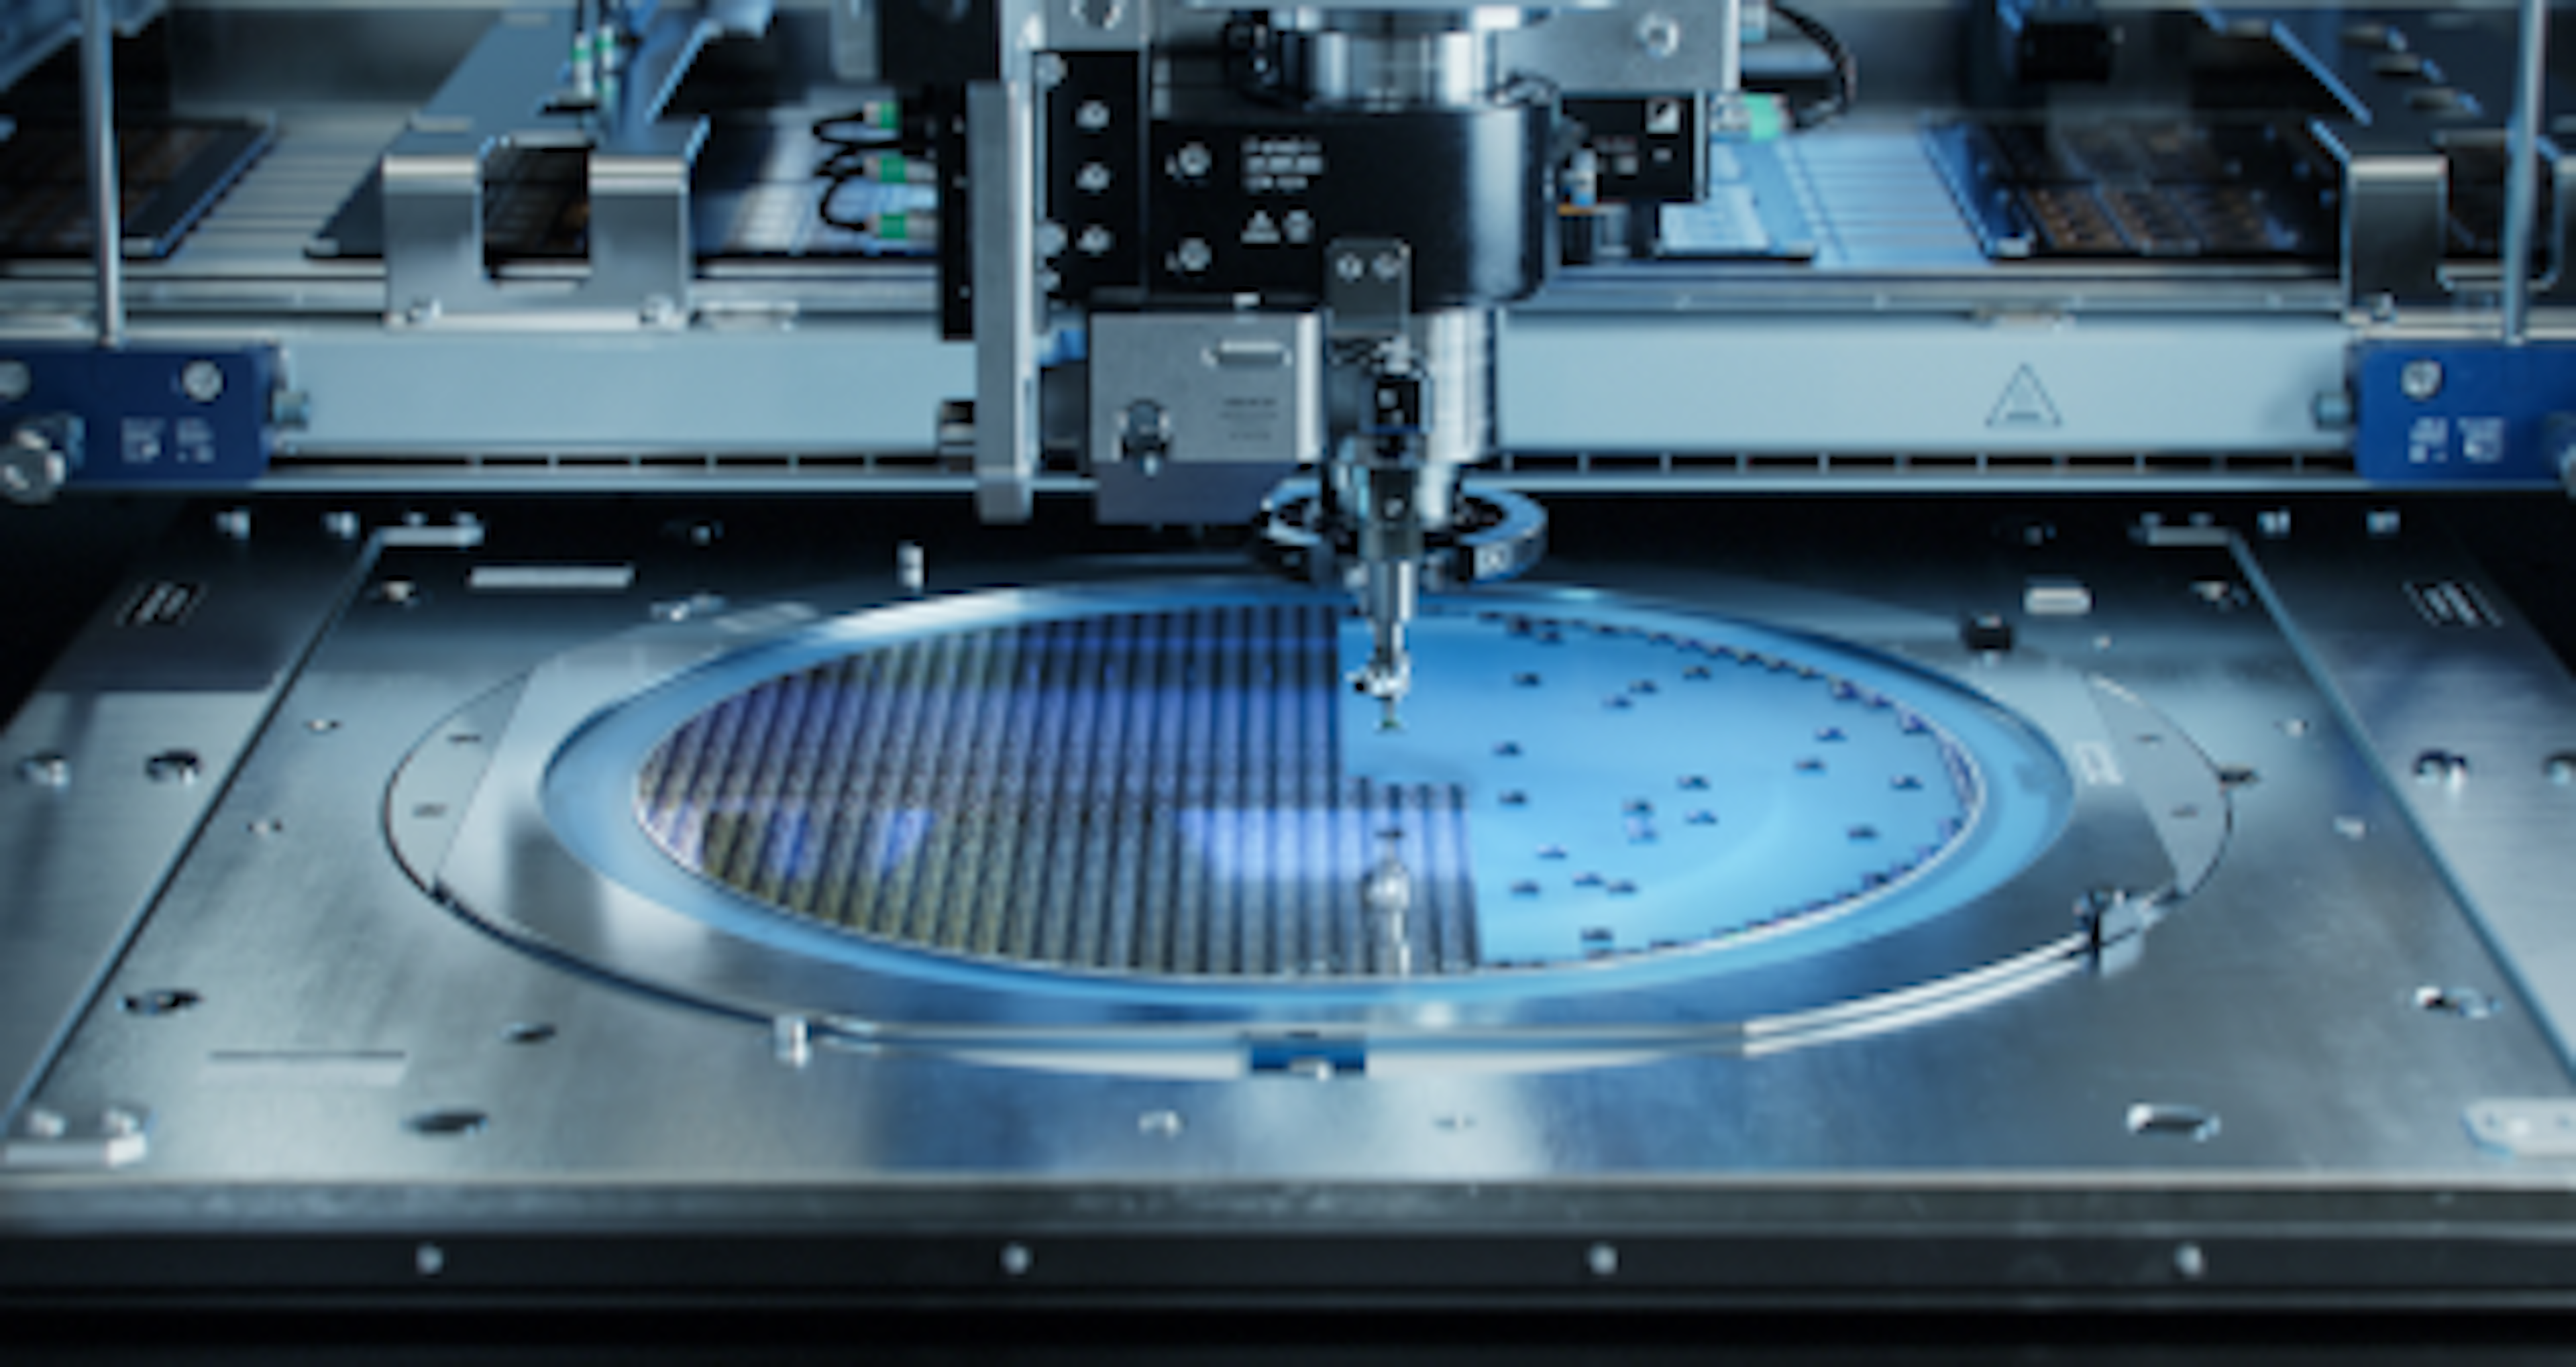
(1000, 164)
(2522, 173)
(98, 118)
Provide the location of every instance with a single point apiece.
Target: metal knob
(39, 457)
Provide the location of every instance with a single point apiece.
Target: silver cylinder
(1394, 70)
(2522, 167)
(98, 131)
(1457, 347)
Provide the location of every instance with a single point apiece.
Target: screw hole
(165, 1001)
(2158, 1119)
(450, 1123)
(2467, 1003)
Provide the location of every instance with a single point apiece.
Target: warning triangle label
(2025, 403)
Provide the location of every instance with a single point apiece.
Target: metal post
(1000, 163)
(2522, 171)
(98, 114)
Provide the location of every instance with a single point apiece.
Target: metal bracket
(2115, 925)
(641, 258)
(2525, 1127)
(2396, 222)
(1368, 285)
(46, 1140)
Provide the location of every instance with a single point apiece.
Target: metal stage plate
(1832, 881)
(1731, 857)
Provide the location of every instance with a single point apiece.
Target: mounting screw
(341, 526)
(1193, 256)
(16, 381)
(233, 524)
(1659, 35)
(1017, 1260)
(2421, 379)
(1096, 240)
(38, 458)
(1602, 1259)
(1093, 179)
(1192, 162)
(40, 1123)
(1092, 117)
(2190, 1262)
(202, 381)
(47, 770)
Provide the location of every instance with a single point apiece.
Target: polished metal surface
(341, 1017)
(2468, 717)
(112, 770)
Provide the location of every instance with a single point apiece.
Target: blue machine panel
(151, 416)
(2477, 413)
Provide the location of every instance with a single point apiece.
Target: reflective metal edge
(111, 767)
(2471, 727)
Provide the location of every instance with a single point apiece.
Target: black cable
(1846, 67)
